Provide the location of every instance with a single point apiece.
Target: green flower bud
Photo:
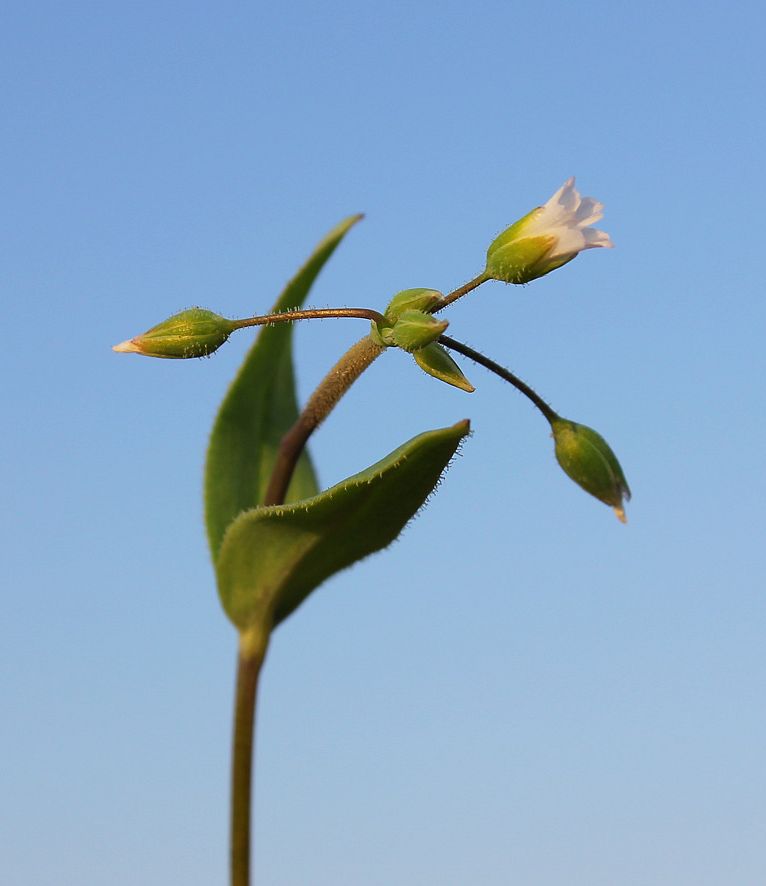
(547, 237)
(435, 360)
(420, 300)
(416, 329)
(586, 457)
(411, 300)
(192, 333)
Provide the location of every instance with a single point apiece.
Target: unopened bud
(587, 458)
(416, 329)
(411, 300)
(408, 300)
(193, 333)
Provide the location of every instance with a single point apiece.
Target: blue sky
(521, 690)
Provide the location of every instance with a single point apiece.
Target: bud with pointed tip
(435, 360)
(547, 237)
(412, 300)
(193, 333)
(416, 329)
(418, 300)
(587, 459)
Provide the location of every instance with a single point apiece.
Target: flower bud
(547, 237)
(411, 300)
(435, 360)
(192, 333)
(416, 329)
(419, 300)
(585, 456)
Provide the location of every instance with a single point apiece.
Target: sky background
(522, 690)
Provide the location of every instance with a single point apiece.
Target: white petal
(589, 211)
(568, 241)
(594, 237)
(565, 216)
(570, 196)
(561, 205)
(557, 197)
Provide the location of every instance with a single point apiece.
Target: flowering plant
(274, 536)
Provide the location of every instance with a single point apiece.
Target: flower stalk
(503, 373)
(461, 291)
(582, 453)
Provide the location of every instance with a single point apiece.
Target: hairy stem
(460, 292)
(310, 314)
(334, 385)
(504, 373)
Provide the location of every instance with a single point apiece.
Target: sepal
(434, 360)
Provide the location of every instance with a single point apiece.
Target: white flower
(547, 238)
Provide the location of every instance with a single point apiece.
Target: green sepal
(259, 407)
(513, 232)
(522, 260)
(586, 457)
(416, 329)
(435, 360)
(195, 332)
(382, 334)
(272, 558)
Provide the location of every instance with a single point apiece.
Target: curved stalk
(501, 371)
(334, 385)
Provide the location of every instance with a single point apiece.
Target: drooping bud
(547, 237)
(195, 332)
(435, 360)
(587, 459)
(416, 329)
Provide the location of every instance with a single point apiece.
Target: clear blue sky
(522, 690)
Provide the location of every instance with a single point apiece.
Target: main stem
(249, 664)
(252, 648)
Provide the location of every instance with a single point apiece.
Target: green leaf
(258, 409)
(273, 557)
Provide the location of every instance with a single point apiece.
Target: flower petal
(569, 240)
(588, 211)
(594, 237)
(560, 208)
